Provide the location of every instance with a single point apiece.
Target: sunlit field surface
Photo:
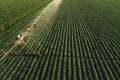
(76, 40)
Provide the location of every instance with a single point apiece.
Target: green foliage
(2, 28)
(12, 11)
(78, 42)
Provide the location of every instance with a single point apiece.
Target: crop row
(13, 11)
(75, 43)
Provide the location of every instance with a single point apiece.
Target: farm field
(12, 11)
(77, 40)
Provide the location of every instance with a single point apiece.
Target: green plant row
(76, 43)
(8, 20)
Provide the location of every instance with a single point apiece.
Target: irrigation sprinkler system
(51, 9)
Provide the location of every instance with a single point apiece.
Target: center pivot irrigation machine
(51, 9)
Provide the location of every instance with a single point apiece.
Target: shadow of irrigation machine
(20, 40)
